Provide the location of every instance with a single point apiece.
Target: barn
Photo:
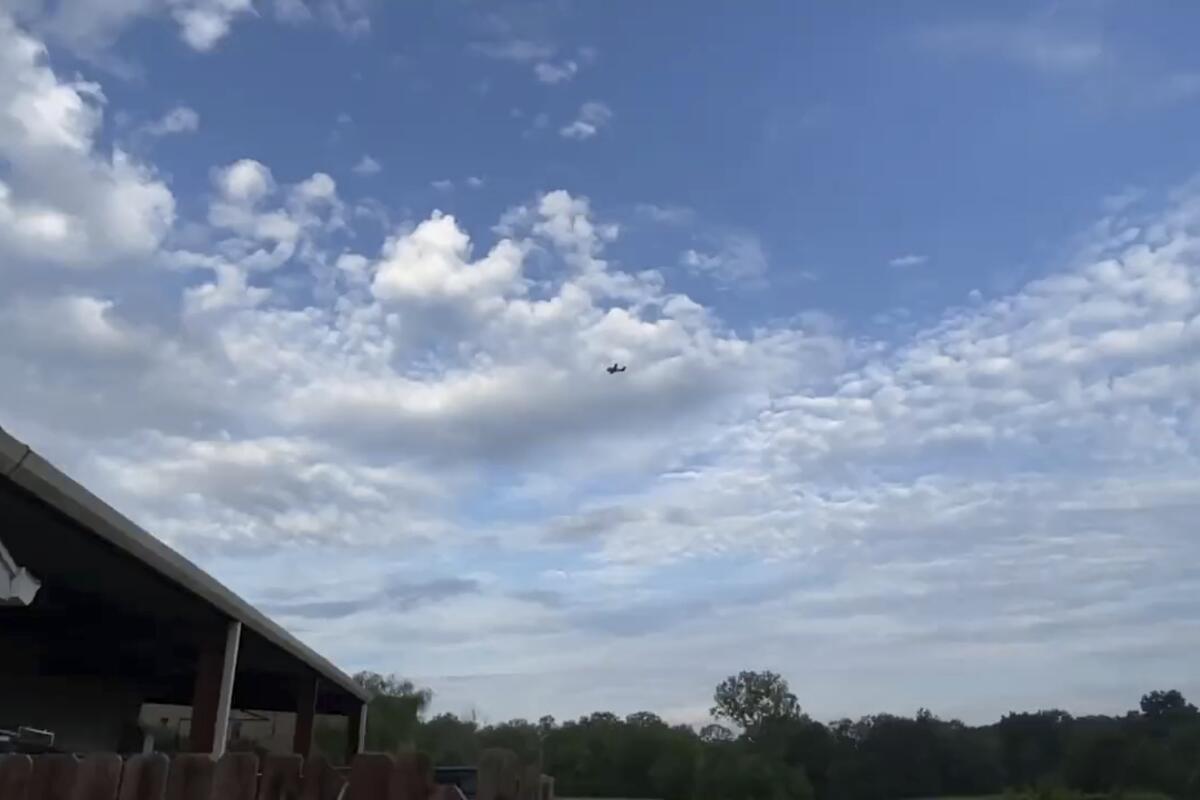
(98, 618)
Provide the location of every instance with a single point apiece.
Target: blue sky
(321, 293)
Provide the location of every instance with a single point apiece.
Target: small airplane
(614, 369)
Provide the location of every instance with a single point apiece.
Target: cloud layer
(422, 432)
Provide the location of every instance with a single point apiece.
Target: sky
(322, 293)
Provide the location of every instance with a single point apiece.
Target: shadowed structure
(119, 619)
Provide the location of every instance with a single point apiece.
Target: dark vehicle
(465, 778)
(26, 740)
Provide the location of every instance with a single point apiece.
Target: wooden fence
(240, 776)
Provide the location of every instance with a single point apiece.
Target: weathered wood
(370, 776)
(98, 777)
(16, 771)
(236, 777)
(144, 777)
(356, 732)
(53, 777)
(320, 781)
(498, 775)
(280, 777)
(212, 694)
(531, 783)
(191, 777)
(306, 712)
(206, 694)
(412, 778)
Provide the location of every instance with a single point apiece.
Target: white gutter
(17, 586)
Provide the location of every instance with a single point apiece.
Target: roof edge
(26, 468)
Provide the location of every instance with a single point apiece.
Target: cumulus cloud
(367, 166)
(62, 200)
(432, 263)
(734, 258)
(1006, 493)
(92, 28)
(180, 119)
(838, 484)
(551, 73)
(592, 117)
(908, 260)
(203, 23)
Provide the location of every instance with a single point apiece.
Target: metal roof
(25, 468)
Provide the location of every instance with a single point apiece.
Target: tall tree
(1158, 705)
(393, 711)
(749, 699)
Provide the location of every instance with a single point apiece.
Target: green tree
(449, 740)
(1168, 705)
(393, 712)
(748, 699)
(716, 733)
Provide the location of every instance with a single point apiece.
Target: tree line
(764, 747)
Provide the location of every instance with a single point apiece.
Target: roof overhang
(24, 469)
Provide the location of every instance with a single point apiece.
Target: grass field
(1060, 795)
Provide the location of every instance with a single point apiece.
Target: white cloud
(265, 237)
(350, 18)
(1038, 44)
(246, 181)
(367, 166)
(550, 73)
(736, 258)
(666, 214)
(908, 260)
(442, 185)
(288, 410)
(592, 116)
(475, 182)
(61, 201)
(82, 324)
(293, 11)
(431, 264)
(92, 28)
(203, 23)
(517, 50)
(180, 119)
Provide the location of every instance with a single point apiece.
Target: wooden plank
(498, 775)
(99, 777)
(370, 776)
(531, 783)
(306, 712)
(212, 694)
(356, 732)
(412, 778)
(280, 777)
(191, 777)
(236, 777)
(320, 781)
(53, 776)
(144, 777)
(16, 770)
(206, 693)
